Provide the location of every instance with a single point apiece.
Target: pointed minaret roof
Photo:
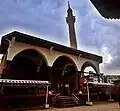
(69, 10)
(68, 4)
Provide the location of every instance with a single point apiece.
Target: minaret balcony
(70, 19)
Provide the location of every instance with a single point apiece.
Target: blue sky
(46, 19)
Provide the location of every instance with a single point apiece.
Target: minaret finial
(68, 4)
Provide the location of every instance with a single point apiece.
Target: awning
(104, 84)
(100, 84)
(11, 82)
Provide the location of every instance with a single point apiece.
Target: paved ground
(95, 107)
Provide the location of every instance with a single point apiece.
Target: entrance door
(64, 89)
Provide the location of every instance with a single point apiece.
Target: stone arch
(72, 60)
(63, 71)
(39, 52)
(29, 64)
(67, 65)
(87, 64)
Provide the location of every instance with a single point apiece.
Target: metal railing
(55, 98)
(75, 96)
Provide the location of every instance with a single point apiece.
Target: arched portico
(63, 72)
(87, 64)
(29, 64)
(44, 60)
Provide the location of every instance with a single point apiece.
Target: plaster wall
(50, 55)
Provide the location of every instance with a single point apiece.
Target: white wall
(50, 57)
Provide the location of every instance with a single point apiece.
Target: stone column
(7, 70)
(50, 73)
(78, 73)
(98, 73)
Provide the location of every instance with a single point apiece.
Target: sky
(46, 19)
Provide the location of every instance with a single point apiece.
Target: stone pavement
(95, 107)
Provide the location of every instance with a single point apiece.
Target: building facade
(111, 78)
(26, 57)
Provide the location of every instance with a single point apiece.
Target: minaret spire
(70, 19)
(68, 4)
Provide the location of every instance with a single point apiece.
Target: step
(60, 100)
(65, 97)
(65, 105)
(65, 101)
(68, 101)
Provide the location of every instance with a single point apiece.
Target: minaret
(70, 19)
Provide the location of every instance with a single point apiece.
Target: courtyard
(96, 107)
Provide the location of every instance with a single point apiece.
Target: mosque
(30, 63)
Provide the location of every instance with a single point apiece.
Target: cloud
(46, 18)
(98, 33)
(38, 17)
